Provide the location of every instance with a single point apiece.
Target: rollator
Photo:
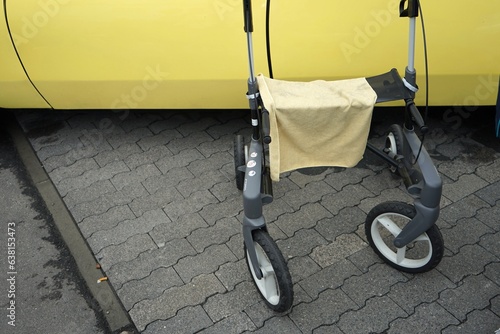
(403, 235)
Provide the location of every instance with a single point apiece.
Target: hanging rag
(317, 123)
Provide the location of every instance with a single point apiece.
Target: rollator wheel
(385, 221)
(239, 160)
(394, 142)
(275, 287)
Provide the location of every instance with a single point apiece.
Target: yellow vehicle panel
(128, 54)
(15, 88)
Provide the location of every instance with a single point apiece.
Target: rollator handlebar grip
(247, 14)
(266, 128)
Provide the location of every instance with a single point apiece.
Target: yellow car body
(192, 54)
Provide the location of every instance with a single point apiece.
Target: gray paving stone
(375, 283)
(125, 251)
(330, 329)
(179, 159)
(64, 146)
(188, 320)
(131, 137)
(301, 179)
(491, 242)
(220, 144)
(204, 263)
(311, 193)
(492, 271)
(107, 220)
(80, 152)
(118, 154)
(176, 298)
(470, 260)
(236, 323)
(495, 305)
(148, 261)
(330, 277)
(222, 305)
(381, 181)
(237, 125)
(489, 216)
(465, 185)
(170, 179)
(478, 321)
(217, 211)
(158, 140)
(126, 229)
(200, 182)
(194, 203)
(282, 187)
(140, 119)
(148, 157)
(177, 229)
(346, 221)
(90, 177)
(491, 193)
(306, 217)
(235, 244)
(301, 267)
(474, 294)
(149, 287)
(226, 189)
(74, 170)
(233, 273)
(278, 325)
(491, 172)
(459, 166)
(201, 123)
(191, 141)
(88, 194)
(302, 243)
(349, 176)
(214, 162)
(172, 121)
(219, 233)
(273, 211)
(428, 319)
(392, 194)
(350, 195)
(464, 208)
(420, 288)
(466, 232)
(325, 310)
(159, 199)
(364, 259)
(109, 200)
(134, 177)
(374, 317)
(343, 246)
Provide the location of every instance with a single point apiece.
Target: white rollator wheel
(384, 223)
(275, 286)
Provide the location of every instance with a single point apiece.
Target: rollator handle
(266, 128)
(411, 10)
(247, 14)
(417, 117)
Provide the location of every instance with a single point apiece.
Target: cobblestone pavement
(154, 195)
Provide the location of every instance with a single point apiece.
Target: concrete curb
(116, 316)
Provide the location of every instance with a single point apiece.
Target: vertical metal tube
(411, 46)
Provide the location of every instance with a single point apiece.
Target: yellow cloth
(318, 123)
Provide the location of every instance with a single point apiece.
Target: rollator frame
(425, 187)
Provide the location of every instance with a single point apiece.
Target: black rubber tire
(397, 147)
(269, 253)
(424, 254)
(239, 160)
